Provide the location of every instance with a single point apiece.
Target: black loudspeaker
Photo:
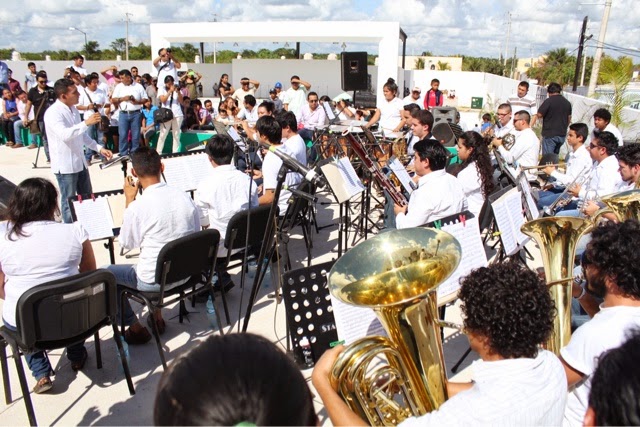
(354, 71)
(443, 132)
(6, 190)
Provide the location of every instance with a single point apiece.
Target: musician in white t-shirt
(389, 113)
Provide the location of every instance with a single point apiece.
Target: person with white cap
(414, 97)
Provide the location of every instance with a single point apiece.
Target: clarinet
(382, 180)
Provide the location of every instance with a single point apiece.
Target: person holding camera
(128, 97)
(190, 80)
(170, 97)
(166, 64)
(40, 98)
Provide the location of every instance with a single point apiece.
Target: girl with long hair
(475, 173)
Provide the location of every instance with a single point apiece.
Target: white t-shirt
(295, 99)
(221, 195)
(510, 392)
(270, 167)
(605, 331)
(296, 145)
(390, 116)
(166, 70)
(54, 251)
(250, 116)
(172, 102)
(87, 97)
(123, 91)
(471, 182)
(240, 93)
(160, 215)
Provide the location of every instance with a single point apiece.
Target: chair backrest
(236, 237)
(187, 256)
(67, 310)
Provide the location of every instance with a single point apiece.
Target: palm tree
(618, 73)
(443, 66)
(471, 64)
(419, 63)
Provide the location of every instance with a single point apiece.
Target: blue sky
(471, 27)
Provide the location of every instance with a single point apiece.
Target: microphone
(309, 174)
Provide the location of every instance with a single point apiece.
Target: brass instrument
(557, 238)
(373, 167)
(527, 168)
(396, 274)
(508, 141)
(561, 201)
(624, 205)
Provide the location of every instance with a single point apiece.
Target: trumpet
(527, 168)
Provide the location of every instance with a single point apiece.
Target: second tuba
(388, 379)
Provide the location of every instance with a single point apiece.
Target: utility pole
(595, 70)
(580, 48)
(506, 46)
(513, 63)
(126, 38)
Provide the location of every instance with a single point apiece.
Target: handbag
(34, 129)
(163, 115)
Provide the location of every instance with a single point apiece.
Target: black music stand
(114, 160)
(309, 311)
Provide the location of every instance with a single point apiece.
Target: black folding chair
(58, 314)
(191, 257)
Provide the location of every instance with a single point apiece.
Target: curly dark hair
(480, 155)
(613, 250)
(509, 305)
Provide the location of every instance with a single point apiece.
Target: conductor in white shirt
(67, 135)
(516, 383)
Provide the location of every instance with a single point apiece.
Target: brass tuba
(557, 238)
(624, 205)
(396, 274)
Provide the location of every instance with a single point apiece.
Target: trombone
(527, 168)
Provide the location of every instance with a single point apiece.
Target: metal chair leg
(213, 301)
(26, 393)
(156, 335)
(6, 382)
(224, 304)
(123, 359)
(96, 338)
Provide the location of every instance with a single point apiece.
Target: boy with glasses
(40, 98)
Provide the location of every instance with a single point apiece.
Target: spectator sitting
(149, 127)
(220, 382)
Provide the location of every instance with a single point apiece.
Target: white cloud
(471, 27)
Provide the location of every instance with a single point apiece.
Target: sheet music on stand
(464, 227)
(531, 208)
(401, 173)
(342, 178)
(353, 323)
(509, 217)
(186, 171)
(329, 111)
(94, 214)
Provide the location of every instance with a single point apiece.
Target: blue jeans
(71, 184)
(96, 135)
(39, 363)
(129, 122)
(45, 141)
(17, 127)
(552, 144)
(126, 275)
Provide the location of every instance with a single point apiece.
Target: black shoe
(79, 364)
(227, 285)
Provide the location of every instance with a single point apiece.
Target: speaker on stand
(354, 72)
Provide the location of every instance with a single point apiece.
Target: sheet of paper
(530, 203)
(342, 179)
(186, 172)
(328, 110)
(509, 217)
(514, 204)
(95, 217)
(401, 173)
(473, 256)
(353, 322)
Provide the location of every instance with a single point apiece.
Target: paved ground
(101, 397)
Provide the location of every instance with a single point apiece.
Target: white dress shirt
(270, 167)
(438, 195)
(88, 97)
(221, 195)
(501, 131)
(606, 330)
(22, 109)
(523, 153)
(67, 135)
(614, 130)
(160, 215)
(604, 179)
(312, 119)
(134, 89)
(54, 249)
(510, 392)
(250, 116)
(578, 162)
(471, 182)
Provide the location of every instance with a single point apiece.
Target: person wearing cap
(413, 97)
(245, 89)
(277, 102)
(279, 92)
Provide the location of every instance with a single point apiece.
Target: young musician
(611, 266)
(476, 172)
(160, 215)
(438, 194)
(507, 314)
(578, 162)
(390, 112)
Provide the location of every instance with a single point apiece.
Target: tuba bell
(388, 379)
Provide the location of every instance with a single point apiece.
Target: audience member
(128, 98)
(602, 123)
(555, 113)
(522, 101)
(434, 97)
(170, 97)
(294, 98)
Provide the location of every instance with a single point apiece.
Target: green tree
(92, 51)
(558, 66)
(186, 52)
(472, 64)
(444, 66)
(419, 64)
(618, 73)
